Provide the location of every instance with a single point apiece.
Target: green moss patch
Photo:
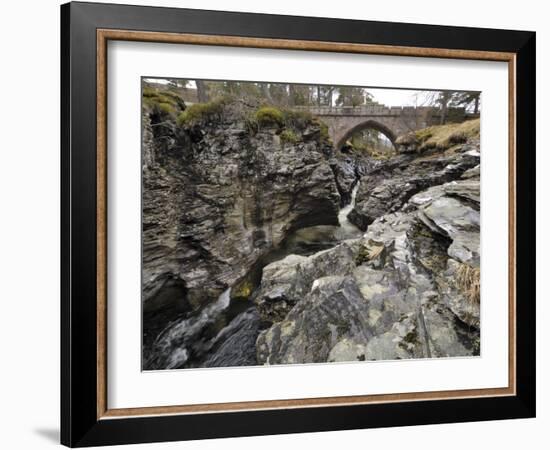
(289, 137)
(162, 101)
(201, 112)
(269, 116)
(242, 290)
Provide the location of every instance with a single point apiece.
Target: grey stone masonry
(344, 121)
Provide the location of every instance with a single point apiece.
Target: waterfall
(347, 229)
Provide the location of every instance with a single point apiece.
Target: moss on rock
(201, 112)
(269, 115)
(242, 290)
(289, 137)
(162, 101)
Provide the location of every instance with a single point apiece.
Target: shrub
(269, 115)
(289, 137)
(297, 119)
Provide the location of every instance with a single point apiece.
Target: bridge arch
(364, 125)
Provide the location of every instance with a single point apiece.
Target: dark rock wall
(217, 197)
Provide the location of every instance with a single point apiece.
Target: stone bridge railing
(374, 110)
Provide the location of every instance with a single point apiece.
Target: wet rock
(345, 170)
(235, 345)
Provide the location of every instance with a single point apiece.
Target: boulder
(287, 281)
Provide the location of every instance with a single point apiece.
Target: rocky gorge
(263, 244)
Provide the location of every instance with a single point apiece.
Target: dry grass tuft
(442, 137)
(468, 281)
(368, 252)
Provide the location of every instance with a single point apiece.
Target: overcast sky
(388, 97)
(399, 97)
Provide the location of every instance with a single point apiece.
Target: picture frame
(86, 29)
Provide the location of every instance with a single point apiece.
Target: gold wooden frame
(103, 36)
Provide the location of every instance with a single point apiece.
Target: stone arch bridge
(393, 121)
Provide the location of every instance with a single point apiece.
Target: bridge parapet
(367, 110)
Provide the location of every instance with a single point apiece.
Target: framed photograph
(276, 224)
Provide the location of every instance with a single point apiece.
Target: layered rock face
(409, 288)
(218, 196)
(388, 186)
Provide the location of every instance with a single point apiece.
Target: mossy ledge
(202, 112)
(441, 137)
(269, 116)
(291, 123)
(162, 101)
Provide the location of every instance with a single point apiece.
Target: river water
(224, 332)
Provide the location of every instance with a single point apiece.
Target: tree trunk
(476, 105)
(318, 96)
(291, 94)
(202, 91)
(266, 93)
(444, 107)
